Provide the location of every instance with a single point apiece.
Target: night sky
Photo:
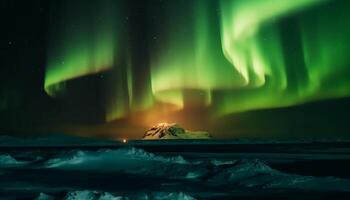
(239, 69)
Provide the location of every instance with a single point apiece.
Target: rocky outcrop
(173, 131)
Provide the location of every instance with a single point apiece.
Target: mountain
(173, 131)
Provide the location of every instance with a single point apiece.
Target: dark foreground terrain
(175, 170)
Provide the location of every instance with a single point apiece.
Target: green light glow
(290, 79)
(251, 41)
(81, 45)
(326, 53)
(188, 54)
(237, 55)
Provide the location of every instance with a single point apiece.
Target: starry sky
(236, 68)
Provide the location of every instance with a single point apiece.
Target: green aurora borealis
(238, 59)
(236, 68)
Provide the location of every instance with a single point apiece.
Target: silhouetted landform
(173, 131)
